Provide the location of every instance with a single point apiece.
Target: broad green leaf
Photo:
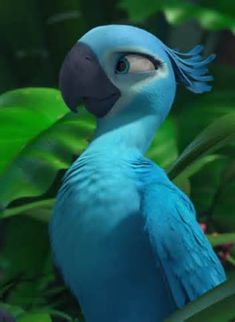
(34, 317)
(39, 137)
(164, 149)
(213, 137)
(221, 295)
(24, 114)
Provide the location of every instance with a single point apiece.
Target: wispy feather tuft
(191, 68)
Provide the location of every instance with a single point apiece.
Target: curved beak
(83, 79)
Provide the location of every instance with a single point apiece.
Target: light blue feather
(190, 68)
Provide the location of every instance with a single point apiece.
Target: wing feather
(188, 261)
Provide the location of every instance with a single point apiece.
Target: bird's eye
(123, 66)
(133, 63)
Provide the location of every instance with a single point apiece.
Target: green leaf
(200, 111)
(222, 295)
(25, 261)
(198, 165)
(139, 10)
(40, 210)
(180, 11)
(24, 114)
(183, 184)
(164, 149)
(209, 18)
(219, 239)
(228, 174)
(39, 137)
(224, 216)
(12, 309)
(205, 183)
(219, 312)
(213, 137)
(34, 317)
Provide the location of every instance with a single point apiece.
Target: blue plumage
(190, 69)
(124, 237)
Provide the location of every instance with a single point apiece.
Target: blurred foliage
(40, 138)
(210, 14)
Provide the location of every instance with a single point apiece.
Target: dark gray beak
(83, 79)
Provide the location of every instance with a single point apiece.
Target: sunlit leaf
(34, 317)
(39, 137)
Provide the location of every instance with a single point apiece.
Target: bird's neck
(125, 133)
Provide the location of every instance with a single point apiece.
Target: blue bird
(124, 237)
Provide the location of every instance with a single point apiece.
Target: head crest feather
(191, 68)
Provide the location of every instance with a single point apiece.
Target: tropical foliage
(40, 138)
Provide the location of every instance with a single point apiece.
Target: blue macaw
(124, 237)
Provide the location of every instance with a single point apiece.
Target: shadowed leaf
(213, 137)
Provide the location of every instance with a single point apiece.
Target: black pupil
(121, 66)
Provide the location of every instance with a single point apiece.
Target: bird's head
(112, 67)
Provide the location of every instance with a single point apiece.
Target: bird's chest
(100, 243)
(97, 212)
(104, 192)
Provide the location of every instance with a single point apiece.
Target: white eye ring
(134, 63)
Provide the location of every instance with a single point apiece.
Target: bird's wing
(185, 255)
